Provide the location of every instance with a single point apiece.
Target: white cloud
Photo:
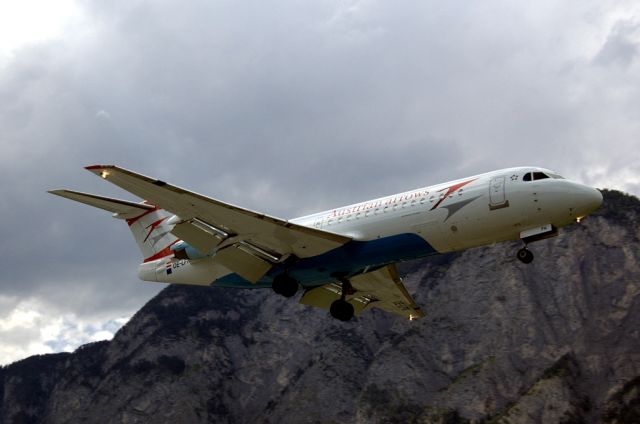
(101, 335)
(23, 316)
(33, 21)
(34, 327)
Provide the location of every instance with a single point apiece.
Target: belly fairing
(348, 260)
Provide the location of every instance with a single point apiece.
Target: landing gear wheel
(342, 310)
(525, 255)
(285, 285)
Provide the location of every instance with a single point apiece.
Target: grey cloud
(289, 108)
(622, 45)
(20, 336)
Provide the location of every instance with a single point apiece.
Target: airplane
(344, 258)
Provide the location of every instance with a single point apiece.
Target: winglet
(100, 170)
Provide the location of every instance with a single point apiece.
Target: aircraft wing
(246, 242)
(381, 288)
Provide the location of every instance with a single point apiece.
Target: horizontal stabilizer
(123, 208)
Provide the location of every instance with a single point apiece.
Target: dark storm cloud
(273, 116)
(290, 107)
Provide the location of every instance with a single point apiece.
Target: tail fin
(146, 222)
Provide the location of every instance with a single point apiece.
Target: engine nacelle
(183, 250)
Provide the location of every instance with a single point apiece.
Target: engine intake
(183, 250)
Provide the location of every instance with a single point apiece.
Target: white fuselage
(493, 207)
(482, 209)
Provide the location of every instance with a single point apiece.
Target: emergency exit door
(497, 195)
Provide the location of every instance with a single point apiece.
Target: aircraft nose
(590, 199)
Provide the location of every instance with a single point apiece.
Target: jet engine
(183, 250)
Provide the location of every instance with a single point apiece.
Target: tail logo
(152, 227)
(454, 207)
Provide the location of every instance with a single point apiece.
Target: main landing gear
(525, 255)
(341, 309)
(285, 285)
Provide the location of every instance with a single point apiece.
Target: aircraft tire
(285, 285)
(342, 310)
(525, 255)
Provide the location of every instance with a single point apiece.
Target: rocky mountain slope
(554, 341)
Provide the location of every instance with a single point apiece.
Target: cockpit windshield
(556, 176)
(539, 175)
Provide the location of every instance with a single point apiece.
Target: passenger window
(527, 177)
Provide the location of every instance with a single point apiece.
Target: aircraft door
(497, 194)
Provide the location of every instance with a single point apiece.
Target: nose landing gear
(534, 234)
(525, 255)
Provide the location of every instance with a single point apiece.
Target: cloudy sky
(286, 107)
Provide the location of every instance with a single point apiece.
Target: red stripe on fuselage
(450, 190)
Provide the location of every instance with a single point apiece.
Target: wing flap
(122, 208)
(203, 241)
(248, 266)
(323, 296)
(385, 289)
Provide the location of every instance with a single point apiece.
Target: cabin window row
(385, 209)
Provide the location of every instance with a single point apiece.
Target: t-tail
(147, 223)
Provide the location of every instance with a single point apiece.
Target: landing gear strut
(285, 285)
(341, 309)
(525, 255)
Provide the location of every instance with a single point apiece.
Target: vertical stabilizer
(152, 233)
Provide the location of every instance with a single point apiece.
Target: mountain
(554, 341)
